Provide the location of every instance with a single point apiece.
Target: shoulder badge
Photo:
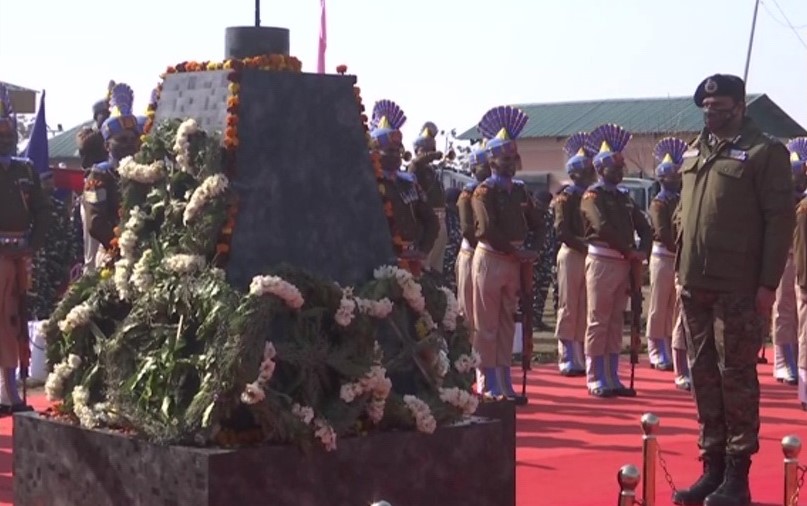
(590, 195)
(95, 196)
(481, 190)
(561, 197)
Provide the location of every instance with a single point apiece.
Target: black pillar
(247, 41)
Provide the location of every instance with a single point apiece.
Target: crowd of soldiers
(726, 252)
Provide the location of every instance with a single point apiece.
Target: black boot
(734, 491)
(714, 467)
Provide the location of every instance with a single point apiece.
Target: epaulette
(623, 190)
(101, 167)
(561, 197)
(518, 182)
(482, 189)
(22, 159)
(590, 194)
(407, 176)
(470, 187)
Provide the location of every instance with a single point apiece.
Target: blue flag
(37, 149)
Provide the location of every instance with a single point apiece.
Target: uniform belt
(466, 246)
(18, 239)
(487, 247)
(660, 250)
(604, 252)
(439, 211)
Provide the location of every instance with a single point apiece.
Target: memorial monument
(253, 342)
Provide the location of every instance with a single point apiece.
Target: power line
(789, 24)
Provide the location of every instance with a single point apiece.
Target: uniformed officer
(465, 288)
(570, 330)
(798, 157)
(504, 212)
(101, 110)
(784, 316)
(428, 179)
(101, 197)
(416, 224)
(24, 215)
(610, 218)
(663, 310)
(737, 222)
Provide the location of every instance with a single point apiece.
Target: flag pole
(751, 43)
(257, 12)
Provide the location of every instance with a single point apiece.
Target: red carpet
(570, 445)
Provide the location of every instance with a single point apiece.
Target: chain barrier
(667, 475)
(794, 501)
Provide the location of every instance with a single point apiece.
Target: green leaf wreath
(161, 345)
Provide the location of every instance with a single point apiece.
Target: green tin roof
(64, 146)
(641, 116)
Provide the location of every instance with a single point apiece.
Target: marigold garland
(375, 158)
(270, 62)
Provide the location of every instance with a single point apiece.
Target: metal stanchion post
(628, 478)
(791, 447)
(649, 456)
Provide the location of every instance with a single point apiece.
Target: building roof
(14, 87)
(641, 116)
(64, 146)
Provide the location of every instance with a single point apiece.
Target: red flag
(323, 39)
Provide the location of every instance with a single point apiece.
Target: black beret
(100, 106)
(720, 85)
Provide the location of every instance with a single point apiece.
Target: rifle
(636, 317)
(525, 301)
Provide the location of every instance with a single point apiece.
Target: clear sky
(441, 60)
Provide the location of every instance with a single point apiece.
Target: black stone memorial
(306, 188)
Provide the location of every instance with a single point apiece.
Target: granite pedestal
(58, 464)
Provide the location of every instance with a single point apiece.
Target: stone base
(57, 464)
(505, 412)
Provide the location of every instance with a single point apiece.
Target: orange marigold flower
(222, 248)
(341, 69)
(232, 102)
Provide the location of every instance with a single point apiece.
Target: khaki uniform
(24, 217)
(610, 218)
(465, 287)
(800, 268)
(785, 325)
(570, 330)
(426, 175)
(503, 217)
(415, 222)
(101, 201)
(737, 224)
(663, 308)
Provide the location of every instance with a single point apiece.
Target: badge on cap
(710, 86)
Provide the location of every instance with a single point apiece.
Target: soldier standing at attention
(737, 222)
(24, 216)
(570, 330)
(465, 287)
(426, 176)
(663, 311)
(798, 157)
(415, 222)
(504, 212)
(610, 218)
(101, 197)
(784, 316)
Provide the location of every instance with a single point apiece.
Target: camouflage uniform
(737, 222)
(544, 269)
(52, 262)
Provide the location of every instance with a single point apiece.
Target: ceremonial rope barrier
(629, 475)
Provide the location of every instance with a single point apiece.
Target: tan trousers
(802, 372)
(434, 261)
(661, 313)
(785, 323)
(496, 283)
(465, 286)
(10, 320)
(571, 324)
(606, 290)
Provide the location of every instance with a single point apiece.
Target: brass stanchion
(628, 478)
(791, 447)
(649, 456)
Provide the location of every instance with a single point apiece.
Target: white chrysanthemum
(142, 279)
(253, 393)
(123, 271)
(452, 309)
(460, 399)
(304, 413)
(77, 317)
(443, 364)
(273, 285)
(184, 264)
(412, 291)
(424, 420)
(210, 188)
(54, 385)
(182, 144)
(146, 174)
(376, 308)
(346, 312)
(325, 433)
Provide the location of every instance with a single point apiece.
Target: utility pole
(751, 43)
(258, 12)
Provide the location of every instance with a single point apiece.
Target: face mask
(716, 120)
(390, 163)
